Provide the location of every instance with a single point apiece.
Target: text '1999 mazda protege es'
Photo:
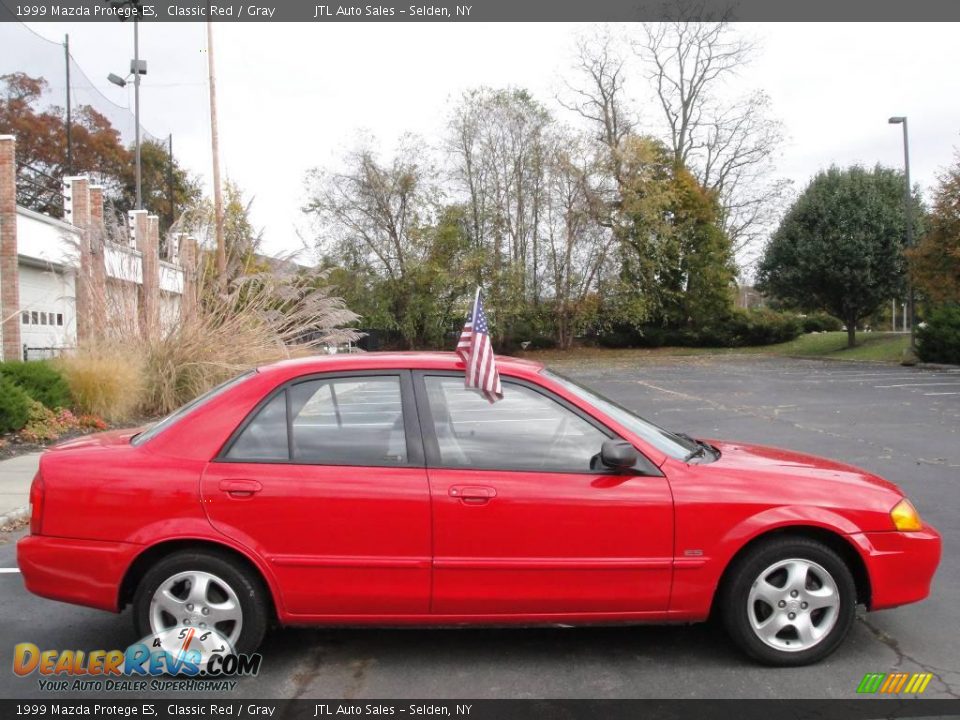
(376, 489)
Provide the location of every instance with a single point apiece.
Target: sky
(297, 96)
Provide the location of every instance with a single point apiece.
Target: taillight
(36, 504)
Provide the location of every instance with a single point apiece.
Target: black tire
(247, 585)
(752, 567)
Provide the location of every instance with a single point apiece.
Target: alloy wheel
(793, 605)
(198, 599)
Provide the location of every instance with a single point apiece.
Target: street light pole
(137, 68)
(908, 215)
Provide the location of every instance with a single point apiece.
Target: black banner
(866, 709)
(326, 11)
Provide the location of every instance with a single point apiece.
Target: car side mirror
(618, 455)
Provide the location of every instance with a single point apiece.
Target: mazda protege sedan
(376, 489)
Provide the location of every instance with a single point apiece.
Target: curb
(14, 515)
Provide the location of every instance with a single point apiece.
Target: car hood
(776, 462)
(111, 438)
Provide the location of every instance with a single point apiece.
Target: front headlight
(905, 516)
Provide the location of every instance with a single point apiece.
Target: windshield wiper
(699, 451)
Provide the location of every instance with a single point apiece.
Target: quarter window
(340, 421)
(525, 431)
(265, 438)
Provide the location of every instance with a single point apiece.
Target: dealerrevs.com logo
(178, 659)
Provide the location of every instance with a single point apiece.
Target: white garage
(48, 319)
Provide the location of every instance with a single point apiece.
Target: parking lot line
(872, 378)
(943, 393)
(9, 570)
(923, 384)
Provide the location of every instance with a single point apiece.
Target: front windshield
(175, 416)
(667, 442)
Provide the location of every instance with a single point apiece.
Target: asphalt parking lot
(899, 422)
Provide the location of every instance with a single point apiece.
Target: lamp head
(897, 120)
(117, 80)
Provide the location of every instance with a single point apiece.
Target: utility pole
(69, 128)
(170, 180)
(136, 102)
(215, 142)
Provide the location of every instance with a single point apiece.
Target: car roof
(393, 361)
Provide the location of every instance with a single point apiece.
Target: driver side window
(524, 431)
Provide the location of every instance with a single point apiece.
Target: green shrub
(739, 329)
(939, 339)
(620, 337)
(758, 327)
(821, 322)
(40, 381)
(14, 405)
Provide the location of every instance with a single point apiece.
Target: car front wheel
(205, 590)
(789, 602)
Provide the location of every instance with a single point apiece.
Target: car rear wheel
(789, 602)
(205, 590)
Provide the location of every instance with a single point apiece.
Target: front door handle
(240, 488)
(473, 494)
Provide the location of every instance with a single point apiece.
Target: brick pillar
(76, 211)
(97, 236)
(188, 263)
(10, 348)
(147, 233)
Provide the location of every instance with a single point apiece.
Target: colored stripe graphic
(894, 683)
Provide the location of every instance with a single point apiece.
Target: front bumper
(900, 565)
(83, 572)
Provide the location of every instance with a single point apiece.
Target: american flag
(477, 354)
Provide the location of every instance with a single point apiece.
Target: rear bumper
(83, 572)
(900, 565)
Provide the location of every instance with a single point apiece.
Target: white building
(60, 279)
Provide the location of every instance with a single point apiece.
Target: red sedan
(376, 489)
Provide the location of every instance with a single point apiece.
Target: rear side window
(337, 421)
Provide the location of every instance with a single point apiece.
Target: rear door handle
(240, 488)
(473, 494)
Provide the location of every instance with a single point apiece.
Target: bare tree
(371, 209)
(727, 145)
(577, 247)
(497, 146)
(601, 99)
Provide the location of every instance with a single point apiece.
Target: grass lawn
(875, 346)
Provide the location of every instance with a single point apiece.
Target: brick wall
(84, 208)
(10, 349)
